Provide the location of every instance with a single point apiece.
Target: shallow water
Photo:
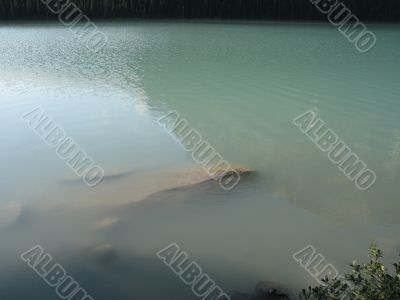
(240, 85)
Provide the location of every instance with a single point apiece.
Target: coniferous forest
(366, 10)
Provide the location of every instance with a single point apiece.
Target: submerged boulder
(271, 291)
(103, 253)
(127, 187)
(265, 290)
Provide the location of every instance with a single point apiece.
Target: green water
(240, 85)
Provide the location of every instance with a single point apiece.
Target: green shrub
(368, 281)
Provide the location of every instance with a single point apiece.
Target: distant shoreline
(289, 10)
(33, 22)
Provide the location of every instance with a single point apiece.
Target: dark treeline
(366, 10)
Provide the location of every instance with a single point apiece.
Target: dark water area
(366, 10)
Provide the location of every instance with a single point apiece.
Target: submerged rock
(103, 253)
(106, 223)
(135, 186)
(241, 170)
(271, 291)
(265, 290)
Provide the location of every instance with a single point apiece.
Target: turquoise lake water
(240, 85)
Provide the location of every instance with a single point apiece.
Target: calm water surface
(240, 85)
